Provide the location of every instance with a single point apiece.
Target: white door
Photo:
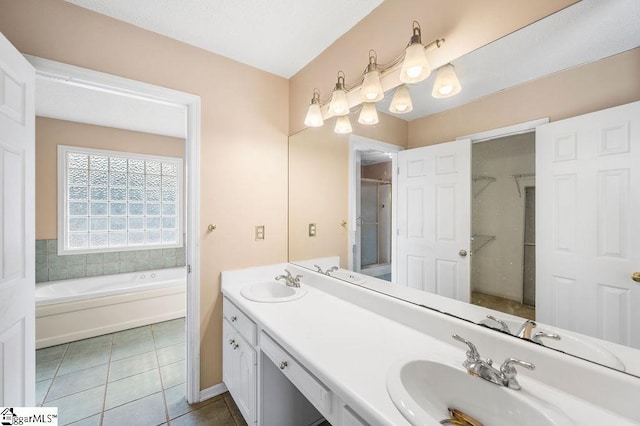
(434, 218)
(588, 227)
(17, 229)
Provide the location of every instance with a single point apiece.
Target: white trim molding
(95, 80)
(501, 132)
(212, 391)
(361, 143)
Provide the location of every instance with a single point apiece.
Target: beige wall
(466, 25)
(603, 84)
(319, 186)
(380, 171)
(50, 133)
(244, 134)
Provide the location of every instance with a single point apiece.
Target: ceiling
(584, 32)
(278, 36)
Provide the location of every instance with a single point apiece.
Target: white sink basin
(569, 343)
(345, 275)
(425, 390)
(272, 292)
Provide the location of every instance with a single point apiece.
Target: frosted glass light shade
(447, 83)
(343, 124)
(314, 116)
(339, 105)
(401, 101)
(368, 114)
(371, 90)
(415, 66)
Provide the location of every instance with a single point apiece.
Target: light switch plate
(312, 229)
(259, 232)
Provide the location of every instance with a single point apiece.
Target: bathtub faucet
(289, 279)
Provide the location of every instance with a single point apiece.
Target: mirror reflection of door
(374, 214)
(503, 224)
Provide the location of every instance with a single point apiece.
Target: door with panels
(588, 224)
(17, 228)
(434, 218)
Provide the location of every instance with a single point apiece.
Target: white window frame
(63, 248)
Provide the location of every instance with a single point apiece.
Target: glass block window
(112, 201)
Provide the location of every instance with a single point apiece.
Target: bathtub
(86, 307)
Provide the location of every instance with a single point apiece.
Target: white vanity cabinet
(239, 360)
(270, 386)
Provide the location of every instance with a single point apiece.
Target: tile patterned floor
(130, 377)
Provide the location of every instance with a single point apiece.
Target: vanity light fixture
(371, 90)
(339, 105)
(368, 114)
(415, 66)
(343, 124)
(314, 115)
(410, 66)
(401, 101)
(447, 83)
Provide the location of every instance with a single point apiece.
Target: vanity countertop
(351, 349)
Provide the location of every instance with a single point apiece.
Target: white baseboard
(212, 391)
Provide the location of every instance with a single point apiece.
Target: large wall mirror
(480, 225)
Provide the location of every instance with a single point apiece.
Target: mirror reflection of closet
(374, 218)
(503, 224)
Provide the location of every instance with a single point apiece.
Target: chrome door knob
(462, 253)
(283, 365)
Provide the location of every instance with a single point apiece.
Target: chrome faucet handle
(540, 334)
(503, 325)
(332, 269)
(472, 353)
(288, 273)
(509, 372)
(526, 329)
(319, 269)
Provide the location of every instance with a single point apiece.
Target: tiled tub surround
(374, 332)
(51, 267)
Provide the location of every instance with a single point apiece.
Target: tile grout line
(55, 374)
(106, 380)
(164, 397)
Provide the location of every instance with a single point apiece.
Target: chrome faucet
(328, 271)
(526, 329)
(289, 279)
(505, 376)
(332, 269)
(540, 334)
(503, 325)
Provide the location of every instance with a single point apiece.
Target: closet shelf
(478, 241)
(521, 176)
(486, 180)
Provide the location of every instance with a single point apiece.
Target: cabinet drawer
(240, 321)
(317, 393)
(350, 418)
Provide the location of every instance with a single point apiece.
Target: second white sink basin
(425, 390)
(272, 292)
